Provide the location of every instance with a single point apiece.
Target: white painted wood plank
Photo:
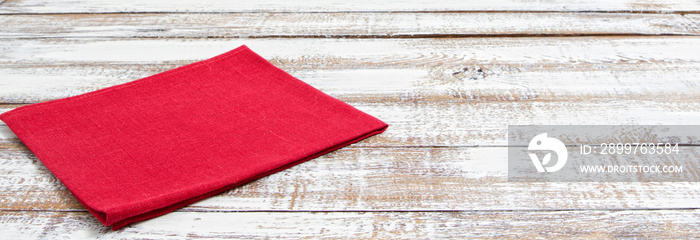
(357, 178)
(667, 224)
(354, 25)
(104, 6)
(375, 53)
(485, 123)
(32, 84)
(380, 70)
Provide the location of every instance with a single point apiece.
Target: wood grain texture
(347, 25)
(485, 123)
(105, 6)
(400, 71)
(376, 178)
(667, 224)
(449, 77)
(375, 53)
(433, 92)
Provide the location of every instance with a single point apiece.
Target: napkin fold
(145, 148)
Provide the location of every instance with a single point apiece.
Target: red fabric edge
(8, 114)
(173, 207)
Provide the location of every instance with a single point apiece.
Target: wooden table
(448, 77)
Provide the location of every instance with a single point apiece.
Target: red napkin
(145, 148)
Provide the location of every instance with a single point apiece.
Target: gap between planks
(105, 6)
(651, 12)
(188, 209)
(391, 36)
(350, 25)
(668, 224)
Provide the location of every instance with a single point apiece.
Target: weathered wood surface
(371, 178)
(348, 25)
(448, 77)
(485, 124)
(601, 224)
(380, 70)
(107, 6)
(430, 90)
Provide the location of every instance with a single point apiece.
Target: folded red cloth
(145, 148)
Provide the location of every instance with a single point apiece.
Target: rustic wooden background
(448, 77)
